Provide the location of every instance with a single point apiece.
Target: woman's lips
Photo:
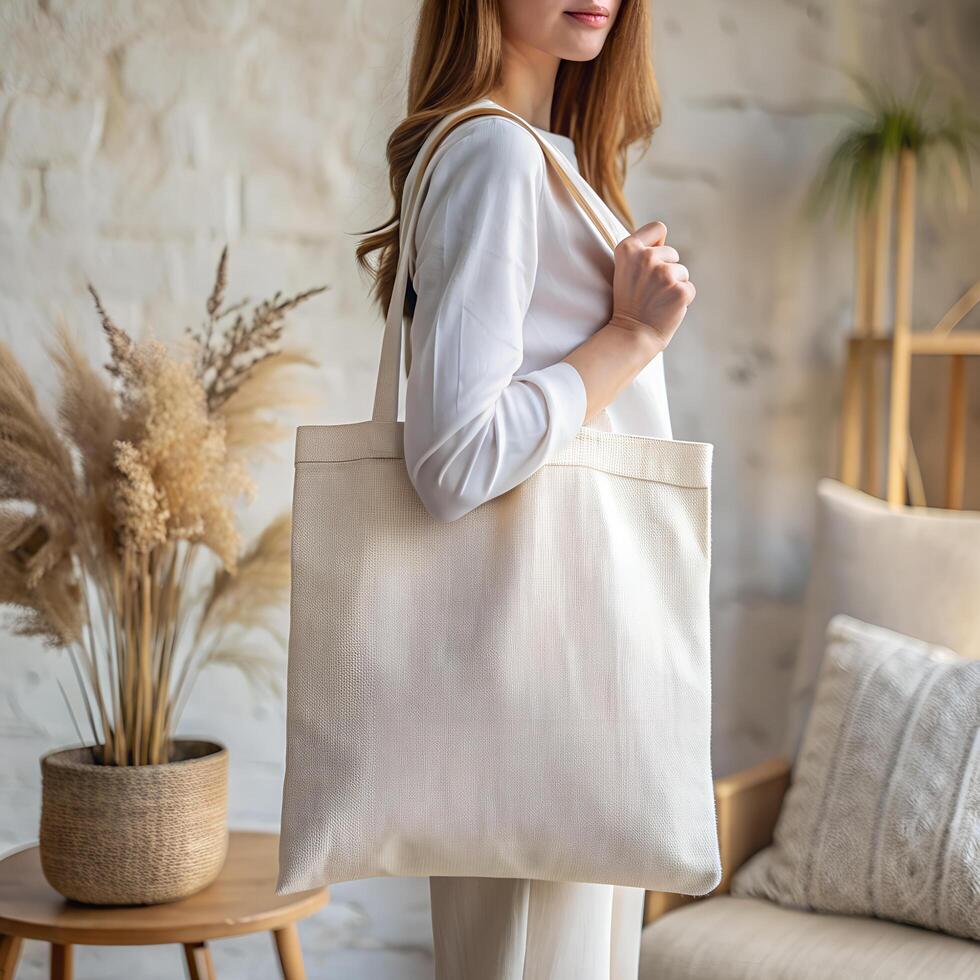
(588, 18)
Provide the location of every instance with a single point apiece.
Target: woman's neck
(528, 84)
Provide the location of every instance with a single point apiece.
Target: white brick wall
(136, 136)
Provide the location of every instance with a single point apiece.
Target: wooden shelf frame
(857, 459)
(870, 346)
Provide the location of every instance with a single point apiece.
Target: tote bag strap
(389, 368)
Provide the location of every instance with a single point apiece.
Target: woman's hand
(651, 289)
(651, 294)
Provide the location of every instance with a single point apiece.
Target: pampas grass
(110, 515)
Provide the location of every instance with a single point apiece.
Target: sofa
(907, 569)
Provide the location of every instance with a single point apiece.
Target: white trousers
(517, 929)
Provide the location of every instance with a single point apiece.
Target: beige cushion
(883, 816)
(750, 939)
(913, 570)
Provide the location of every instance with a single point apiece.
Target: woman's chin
(580, 49)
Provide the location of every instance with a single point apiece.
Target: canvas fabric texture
(883, 814)
(523, 692)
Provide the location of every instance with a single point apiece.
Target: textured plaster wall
(136, 136)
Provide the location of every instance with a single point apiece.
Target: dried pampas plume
(260, 584)
(249, 425)
(226, 358)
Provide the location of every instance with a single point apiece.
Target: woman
(523, 329)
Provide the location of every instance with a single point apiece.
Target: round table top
(242, 899)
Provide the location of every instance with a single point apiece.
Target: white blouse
(510, 276)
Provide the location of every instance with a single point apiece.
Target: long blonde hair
(605, 105)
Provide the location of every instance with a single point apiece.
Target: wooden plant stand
(869, 345)
(242, 900)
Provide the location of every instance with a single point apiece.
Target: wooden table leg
(62, 961)
(9, 955)
(290, 952)
(199, 963)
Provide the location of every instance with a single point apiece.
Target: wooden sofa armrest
(747, 804)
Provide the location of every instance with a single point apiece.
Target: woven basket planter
(134, 835)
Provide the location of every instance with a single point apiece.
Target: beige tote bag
(523, 692)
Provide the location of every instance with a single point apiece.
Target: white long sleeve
(476, 424)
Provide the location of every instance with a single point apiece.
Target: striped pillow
(883, 816)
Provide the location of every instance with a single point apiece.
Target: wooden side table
(240, 901)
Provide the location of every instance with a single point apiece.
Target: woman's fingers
(665, 253)
(654, 233)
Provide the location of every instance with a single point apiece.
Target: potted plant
(110, 519)
(872, 176)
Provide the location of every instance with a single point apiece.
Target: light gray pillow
(911, 569)
(883, 814)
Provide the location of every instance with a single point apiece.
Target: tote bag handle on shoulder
(389, 370)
